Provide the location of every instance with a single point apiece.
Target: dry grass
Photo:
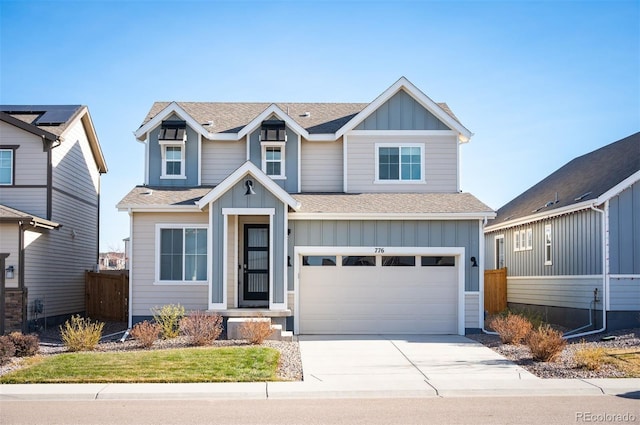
(625, 359)
(545, 343)
(511, 328)
(590, 358)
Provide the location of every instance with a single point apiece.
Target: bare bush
(255, 330)
(545, 343)
(146, 333)
(201, 328)
(7, 349)
(511, 328)
(25, 345)
(80, 334)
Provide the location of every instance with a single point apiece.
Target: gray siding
(576, 247)
(624, 232)
(322, 166)
(235, 198)
(190, 164)
(290, 184)
(387, 233)
(221, 158)
(146, 294)
(624, 294)
(561, 292)
(401, 112)
(440, 158)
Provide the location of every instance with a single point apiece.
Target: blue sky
(538, 82)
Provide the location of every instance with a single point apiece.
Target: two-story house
(338, 218)
(50, 167)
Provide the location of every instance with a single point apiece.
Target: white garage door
(349, 294)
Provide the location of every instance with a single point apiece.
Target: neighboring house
(571, 243)
(50, 167)
(326, 217)
(112, 260)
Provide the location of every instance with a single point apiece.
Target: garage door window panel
(438, 261)
(398, 261)
(358, 260)
(319, 260)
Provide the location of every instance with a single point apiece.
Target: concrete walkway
(360, 366)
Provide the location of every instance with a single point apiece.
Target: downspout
(130, 253)
(481, 278)
(605, 272)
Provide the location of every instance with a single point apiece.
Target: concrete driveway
(411, 365)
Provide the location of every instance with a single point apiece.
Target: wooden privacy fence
(107, 295)
(495, 290)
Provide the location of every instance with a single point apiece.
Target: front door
(256, 264)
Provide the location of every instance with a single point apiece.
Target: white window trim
(529, 239)
(523, 240)
(164, 144)
(516, 241)
(548, 261)
(282, 146)
(12, 168)
(398, 145)
(164, 226)
(497, 260)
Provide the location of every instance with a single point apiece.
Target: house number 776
(379, 250)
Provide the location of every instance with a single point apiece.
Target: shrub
(545, 343)
(255, 330)
(25, 345)
(201, 328)
(7, 349)
(146, 333)
(590, 358)
(80, 334)
(168, 317)
(511, 328)
(534, 317)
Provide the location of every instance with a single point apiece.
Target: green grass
(229, 364)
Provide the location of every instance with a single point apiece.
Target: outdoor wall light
(474, 263)
(249, 185)
(9, 272)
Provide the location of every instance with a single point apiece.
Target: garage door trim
(458, 252)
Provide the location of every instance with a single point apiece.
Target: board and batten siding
(389, 233)
(236, 198)
(576, 247)
(290, 183)
(440, 158)
(147, 295)
(321, 166)
(10, 244)
(401, 112)
(221, 158)
(624, 232)
(570, 291)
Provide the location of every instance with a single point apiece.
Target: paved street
(454, 410)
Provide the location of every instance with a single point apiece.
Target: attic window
(173, 130)
(273, 131)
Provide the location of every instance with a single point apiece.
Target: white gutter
(605, 272)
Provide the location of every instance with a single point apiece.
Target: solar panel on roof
(51, 114)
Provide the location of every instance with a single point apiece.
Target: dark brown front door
(256, 262)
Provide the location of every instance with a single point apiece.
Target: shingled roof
(51, 118)
(583, 179)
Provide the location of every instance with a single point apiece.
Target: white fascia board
(172, 108)
(392, 216)
(158, 208)
(248, 168)
(272, 109)
(542, 215)
(617, 189)
(402, 133)
(321, 137)
(232, 137)
(416, 94)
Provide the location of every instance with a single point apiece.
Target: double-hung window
(172, 139)
(273, 139)
(182, 253)
(399, 162)
(6, 166)
(548, 261)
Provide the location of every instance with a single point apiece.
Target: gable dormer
(173, 154)
(274, 147)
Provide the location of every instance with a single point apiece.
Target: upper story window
(547, 245)
(273, 131)
(399, 163)
(6, 166)
(172, 138)
(273, 159)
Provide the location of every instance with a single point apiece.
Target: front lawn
(627, 360)
(227, 364)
